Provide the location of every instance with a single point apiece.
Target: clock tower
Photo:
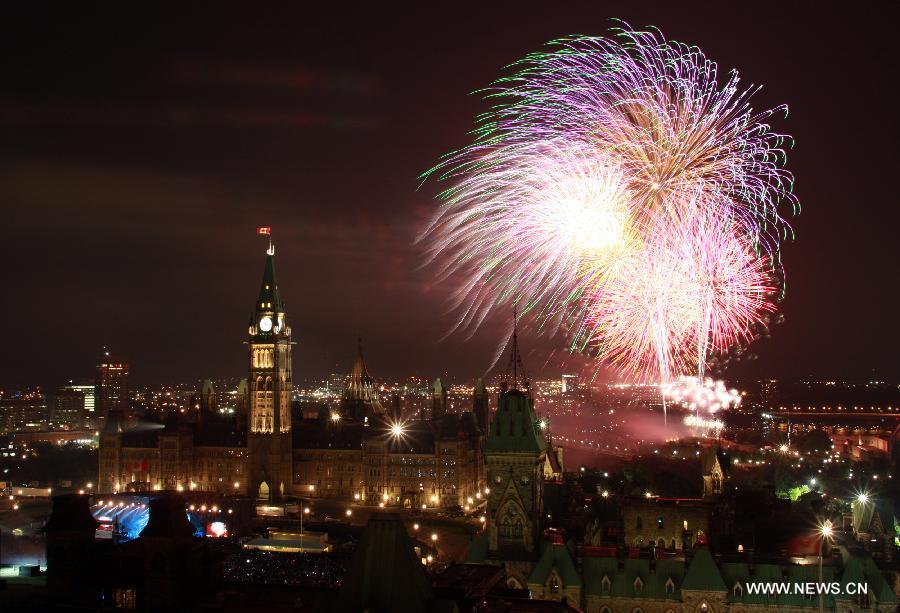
(269, 390)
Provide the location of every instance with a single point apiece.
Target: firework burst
(619, 189)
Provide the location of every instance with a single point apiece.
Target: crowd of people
(320, 570)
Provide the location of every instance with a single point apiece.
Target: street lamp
(398, 429)
(825, 531)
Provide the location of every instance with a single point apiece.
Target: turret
(438, 400)
(481, 406)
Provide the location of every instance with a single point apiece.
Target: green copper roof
(654, 580)
(478, 549)
(702, 573)
(873, 514)
(515, 427)
(385, 574)
(862, 569)
(738, 574)
(558, 557)
(268, 290)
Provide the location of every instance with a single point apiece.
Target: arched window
(737, 590)
(670, 586)
(638, 524)
(605, 610)
(660, 523)
(605, 585)
(716, 483)
(553, 584)
(511, 524)
(512, 582)
(638, 586)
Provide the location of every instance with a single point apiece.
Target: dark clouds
(140, 148)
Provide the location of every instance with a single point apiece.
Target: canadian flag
(141, 466)
(264, 231)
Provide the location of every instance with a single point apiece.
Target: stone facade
(258, 452)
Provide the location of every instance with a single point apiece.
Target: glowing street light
(434, 537)
(335, 417)
(398, 429)
(863, 498)
(349, 512)
(415, 526)
(825, 530)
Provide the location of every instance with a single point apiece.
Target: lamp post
(825, 530)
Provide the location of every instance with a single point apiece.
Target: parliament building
(360, 452)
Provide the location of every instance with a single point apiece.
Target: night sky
(142, 147)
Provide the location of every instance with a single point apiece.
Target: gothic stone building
(658, 563)
(358, 453)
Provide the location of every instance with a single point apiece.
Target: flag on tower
(264, 231)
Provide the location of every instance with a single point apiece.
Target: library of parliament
(359, 452)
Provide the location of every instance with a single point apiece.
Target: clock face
(265, 324)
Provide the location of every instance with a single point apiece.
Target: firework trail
(621, 191)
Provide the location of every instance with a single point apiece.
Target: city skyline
(136, 180)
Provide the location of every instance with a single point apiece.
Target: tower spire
(515, 358)
(269, 297)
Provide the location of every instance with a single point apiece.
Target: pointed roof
(385, 574)
(360, 385)
(360, 396)
(861, 568)
(480, 389)
(703, 574)
(268, 289)
(555, 556)
(515, 428)
(359, 371)
(71, 513)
